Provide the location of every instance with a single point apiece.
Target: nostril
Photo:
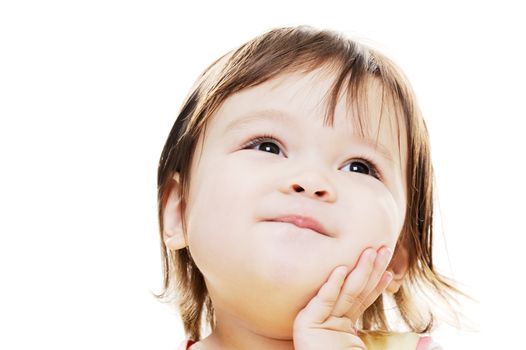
(320, 193)
(297, 188)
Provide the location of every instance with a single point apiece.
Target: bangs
(367, 93)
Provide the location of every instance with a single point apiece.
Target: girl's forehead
(296, 99)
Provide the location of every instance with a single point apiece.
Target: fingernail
(388, 253)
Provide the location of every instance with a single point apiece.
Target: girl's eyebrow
(275, 115)
(259, 115)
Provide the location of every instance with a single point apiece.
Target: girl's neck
(230, 334)
(213, 343)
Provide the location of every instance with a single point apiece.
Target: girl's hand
(328, 321)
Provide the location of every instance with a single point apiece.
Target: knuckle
(324, 301)
(355, 300)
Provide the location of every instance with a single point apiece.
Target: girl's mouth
(302, 222)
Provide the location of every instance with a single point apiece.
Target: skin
(327, 322)
(265, 278)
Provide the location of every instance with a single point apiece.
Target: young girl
(295, 200)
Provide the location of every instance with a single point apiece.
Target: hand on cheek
(328, 321)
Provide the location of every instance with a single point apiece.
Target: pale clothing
(393, 341)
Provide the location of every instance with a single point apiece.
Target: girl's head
(295, 122)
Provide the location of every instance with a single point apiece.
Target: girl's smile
(302, 222)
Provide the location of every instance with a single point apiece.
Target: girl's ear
(173, 235)
(398, 266)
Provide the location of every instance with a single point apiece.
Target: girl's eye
(364, 166)
(264, 143)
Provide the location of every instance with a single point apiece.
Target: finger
(382, 260)
(339, 324)
(371, 298)
(368, 296)
(320, 307)
(355, 283)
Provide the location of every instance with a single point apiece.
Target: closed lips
(303, 222)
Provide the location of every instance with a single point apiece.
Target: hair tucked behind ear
(354, 65)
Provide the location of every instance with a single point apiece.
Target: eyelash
(373, 168)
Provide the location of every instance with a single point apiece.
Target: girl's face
(262, 272)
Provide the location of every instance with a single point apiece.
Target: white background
(90, 89)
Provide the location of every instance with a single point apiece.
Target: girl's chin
(293, 283)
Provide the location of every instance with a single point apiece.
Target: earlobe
(398, 266)
(173, 235)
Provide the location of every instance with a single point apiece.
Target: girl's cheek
(374, 217)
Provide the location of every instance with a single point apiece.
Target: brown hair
(304, 49)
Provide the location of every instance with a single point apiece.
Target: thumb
(320, 307)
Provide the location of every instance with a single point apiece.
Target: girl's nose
(313, 185)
